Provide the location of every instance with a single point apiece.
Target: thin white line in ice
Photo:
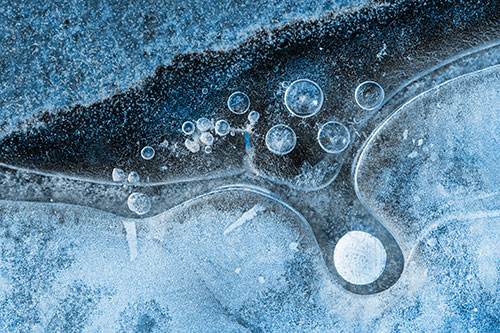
(248, 215)
(130, 229)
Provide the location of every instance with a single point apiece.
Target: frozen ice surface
(455, 170)
(185, 274)
(231, 260)
(85, 57)
(238, 259)
(438, 194)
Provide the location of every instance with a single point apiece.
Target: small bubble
(303, 98)
(118, 175)
(238, 102)
(133, 177)
(207, 138)
(334, 137)
(369, 95)
(253, 117)
(139, 203)
(188, 127)
(281, 139)
(204, 91)
(222, 127)
(147, 153)
(192, 145)
(203, 124)
(208, 149)
(261, 279)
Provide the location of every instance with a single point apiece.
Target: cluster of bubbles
(139, 203)
(120, 176)
(304, 98)
(200, 134)
(239, 103)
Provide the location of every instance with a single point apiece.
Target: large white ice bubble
(359, 257)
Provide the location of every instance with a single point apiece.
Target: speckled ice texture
(58, 53)
(234, 237)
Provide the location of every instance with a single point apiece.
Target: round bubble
(203, 124)
(222, 127)
(139, 203)
(188, 128)
(359, 257)
(334, 137)
(147, 153)
(253, 117)
(281, 139)
(133, 177)
(238, 102)
(303, 98)
(118, 175)
(204, 91)
(207, 138)
(192, 145)
(369, 95)
(208, 149)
